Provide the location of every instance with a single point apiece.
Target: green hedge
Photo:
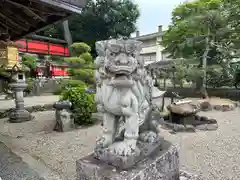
(83, 105)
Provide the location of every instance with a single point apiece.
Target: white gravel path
(215, 155)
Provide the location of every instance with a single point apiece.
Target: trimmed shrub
(85, 75)
(83, 105)
(69, 83)
(87, 57)
(80, 48)
(75, 61)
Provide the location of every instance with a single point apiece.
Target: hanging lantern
(9, 55)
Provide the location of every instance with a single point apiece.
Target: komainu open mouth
(122, 80)
(122, 76)
(120, 69)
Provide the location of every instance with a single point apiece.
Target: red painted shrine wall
(41, 47)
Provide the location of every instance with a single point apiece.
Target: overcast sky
(154, 13)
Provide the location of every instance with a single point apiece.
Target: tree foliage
(190, 25)
(81, 65)
(206, 31)
(191, 22)
(99, 20)
(30, 62)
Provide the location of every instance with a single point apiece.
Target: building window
(149, 43)
(149, 57)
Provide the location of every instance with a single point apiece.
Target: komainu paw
(124, 148)
(149, 137)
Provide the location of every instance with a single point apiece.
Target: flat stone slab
(126, 162)
(13, 168)
(162, 164)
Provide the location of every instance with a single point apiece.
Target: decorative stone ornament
(124, 97)
(64, 118)
(130, 147)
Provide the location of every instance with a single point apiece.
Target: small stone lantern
(9, 59)
(18, 85)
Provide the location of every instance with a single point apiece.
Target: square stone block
(162, 164)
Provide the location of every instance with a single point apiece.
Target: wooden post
(174, 86)
(165, 89)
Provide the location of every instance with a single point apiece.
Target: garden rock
(205, 105)
(220, 104)
(184, 118)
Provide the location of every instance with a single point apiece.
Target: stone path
(13, 168)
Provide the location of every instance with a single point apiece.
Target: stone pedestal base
(125, 162)
(162, 164)
(18, 116)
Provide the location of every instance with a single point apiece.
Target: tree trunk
(67, 33)
(204, 66)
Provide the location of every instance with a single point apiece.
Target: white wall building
(152, 50)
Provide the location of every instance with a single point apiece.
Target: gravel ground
(59, 151)
(215, 155)
(43, 121)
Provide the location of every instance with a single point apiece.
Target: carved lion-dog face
(121, 57)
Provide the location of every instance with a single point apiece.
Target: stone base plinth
(162, 164)
(18, 116)
(124, 162)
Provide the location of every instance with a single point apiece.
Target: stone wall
(232, 94)
(45, 87)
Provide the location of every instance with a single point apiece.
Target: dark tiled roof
(22, 17)
(149, 36)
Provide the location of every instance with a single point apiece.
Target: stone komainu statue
(123, 96)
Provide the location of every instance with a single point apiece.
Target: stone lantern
(9, 59)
